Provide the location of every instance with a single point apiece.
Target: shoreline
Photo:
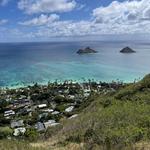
(45, 83)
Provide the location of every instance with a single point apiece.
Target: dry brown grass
(17, 145)
(52, 144)
(142, 146)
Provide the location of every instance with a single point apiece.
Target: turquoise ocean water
(27, 63)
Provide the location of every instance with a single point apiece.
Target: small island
(127, 50)
(87, 50)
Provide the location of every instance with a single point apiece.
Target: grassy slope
(16, 145)
(114, 121)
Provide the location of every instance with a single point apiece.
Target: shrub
(61, 108)
(31, 134)
(51, 131)
(106, 102)
(60, 99)
(5, 132)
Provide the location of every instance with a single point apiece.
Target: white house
(71, 97)
(42, 106)
(48, 110)
(55, 113)
(69, 109)
(9, 113)
(19, 131)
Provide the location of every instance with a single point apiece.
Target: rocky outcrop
(87, 50)
(127, 50)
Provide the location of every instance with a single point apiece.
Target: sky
(47, 20)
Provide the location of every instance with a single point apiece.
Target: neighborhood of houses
(44, 106)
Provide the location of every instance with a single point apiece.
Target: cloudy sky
(39, 20)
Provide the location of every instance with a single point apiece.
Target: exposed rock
(87, 50)
(127, 50)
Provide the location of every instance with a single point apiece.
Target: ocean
(24, 64)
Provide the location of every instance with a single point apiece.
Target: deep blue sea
(26, 63)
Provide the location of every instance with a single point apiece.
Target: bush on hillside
(5, 132)
(31, 134)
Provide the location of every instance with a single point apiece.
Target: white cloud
(4, 2)
(46, 6)
(123, 12)
(3, 21)
(15, 35)
(128, 17)
(65, 28)
(41, 20)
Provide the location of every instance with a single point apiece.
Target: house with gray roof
(49, 123)
(17, 124)
(39, 126)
